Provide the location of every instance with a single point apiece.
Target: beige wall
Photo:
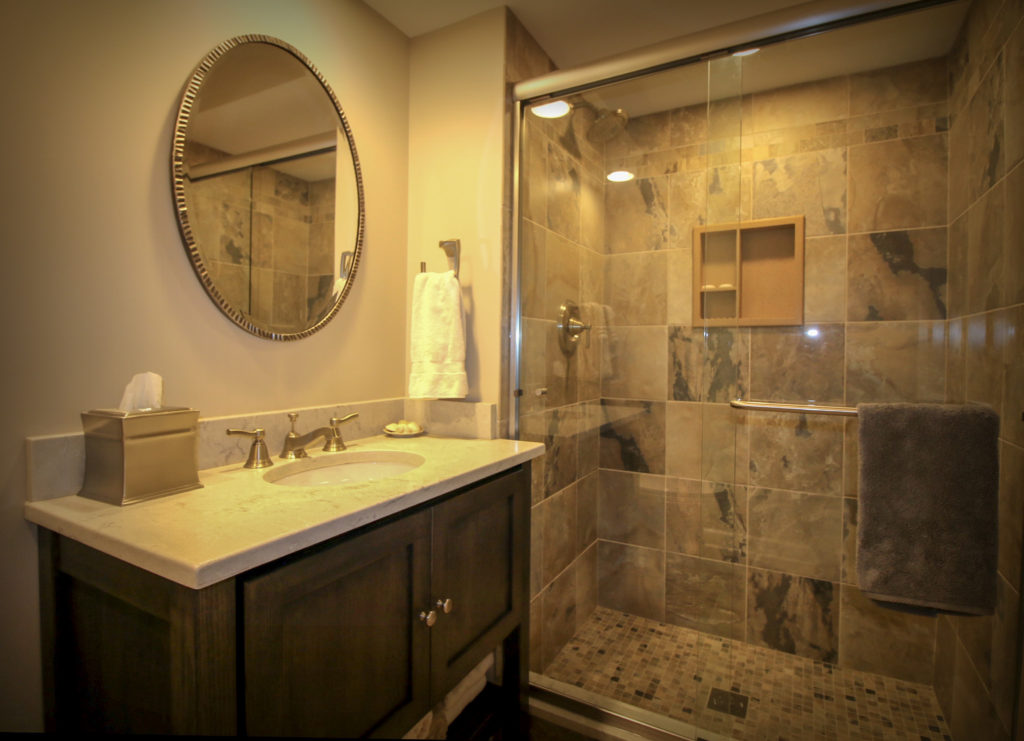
(456, 160)
(95, 284)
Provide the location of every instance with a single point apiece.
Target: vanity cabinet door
(333, 644)
(479, 562)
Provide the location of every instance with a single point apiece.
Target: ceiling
(578, 32)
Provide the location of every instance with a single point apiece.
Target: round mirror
(267, 187)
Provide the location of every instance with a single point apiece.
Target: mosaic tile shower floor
(671, 670)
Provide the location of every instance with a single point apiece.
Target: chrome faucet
(295, 444)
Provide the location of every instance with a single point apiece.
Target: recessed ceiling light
(554, 109)
(620, 176)
(745, 52)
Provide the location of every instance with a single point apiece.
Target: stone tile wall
(562, 242)
(742, 524)
(977, 658)
(268, 242)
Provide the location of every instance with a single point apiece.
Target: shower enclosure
(693, 565)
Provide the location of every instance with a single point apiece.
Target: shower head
(607, 125)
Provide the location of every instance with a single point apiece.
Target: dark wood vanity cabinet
(348, 638)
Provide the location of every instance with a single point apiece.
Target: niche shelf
(750, 273)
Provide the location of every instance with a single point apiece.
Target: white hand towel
(438, 342)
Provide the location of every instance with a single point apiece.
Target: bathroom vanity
(260, 608)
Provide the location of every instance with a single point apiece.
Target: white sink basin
(344, 468)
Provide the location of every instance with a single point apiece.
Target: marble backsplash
(56, 463)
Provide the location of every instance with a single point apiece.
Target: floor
(734, 690)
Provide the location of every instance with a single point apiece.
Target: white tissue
(144, 391)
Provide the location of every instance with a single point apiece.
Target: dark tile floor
(763, 694)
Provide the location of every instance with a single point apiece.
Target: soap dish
(389, 433)
(401, 429)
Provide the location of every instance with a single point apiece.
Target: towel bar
(765, 406)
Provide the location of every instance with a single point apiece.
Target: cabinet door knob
(429, 618)
(445, 605)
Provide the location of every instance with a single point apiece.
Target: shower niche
(749, 274)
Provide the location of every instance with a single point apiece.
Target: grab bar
(767, 406)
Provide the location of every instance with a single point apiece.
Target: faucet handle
(335, 442)
(259, 457)
(292, 450)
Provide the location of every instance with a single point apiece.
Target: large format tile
(798, 452)
(987, 148)
(589, 449)
(799, 105)
(849, 564)
(1013, 111)
(793, 614)
(631, 508)
(894, 643)
(558, 430)
(795, 533)
(897, 275)
(558, 615)
(1011, 512)
(1013, 236)
(723, 522)
(726, 373)
(1013, 386)
(586, 585)
(987, 338)
(561, 372)
(686, 351)
(563, 193)
(679, 293)
(631, 579)
(985, 251)
(797, 364)
(636, 215)
(532, 267)
(561, 273)
(825, 279)
(635, 287)
(637, 358)
(905, 85)
(956, 269)
(559, 532)
(586, 511)
(898, 184)
(724, 450)
(687, 205)
(633, 436)
(898, 361)
(812, 184)
(703, 595)
(682, 516)
(683, 439)
(973, 715)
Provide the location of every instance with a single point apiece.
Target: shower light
(620, 176)
(745, 52)
(812, 332)
(554, 109)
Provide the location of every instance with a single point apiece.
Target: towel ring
(453, 249)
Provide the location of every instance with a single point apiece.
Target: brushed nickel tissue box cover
(134, 456)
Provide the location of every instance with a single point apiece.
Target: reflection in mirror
(268, 188)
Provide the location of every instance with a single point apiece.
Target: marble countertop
(238, 520)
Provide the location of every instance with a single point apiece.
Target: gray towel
(927, 524)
